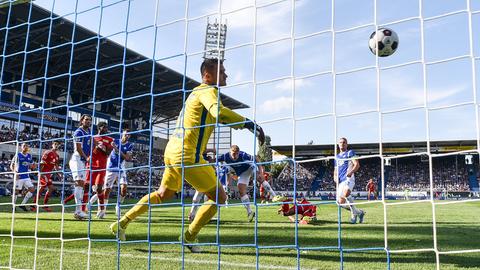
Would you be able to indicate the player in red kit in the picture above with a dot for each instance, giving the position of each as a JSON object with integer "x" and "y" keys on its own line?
{"x": 306, "y": 211}
{"x": 371, "y": 189}
{"x": 264, "y": 195}
{"x": 103, "y": 146}
{"x": 50, "y": 162}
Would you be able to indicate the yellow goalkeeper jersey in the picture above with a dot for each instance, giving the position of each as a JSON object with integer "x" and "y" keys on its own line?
{"x": 198, "y": 118}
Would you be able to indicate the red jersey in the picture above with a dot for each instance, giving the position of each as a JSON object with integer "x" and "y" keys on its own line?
{"x": 302, "y": 209}
{"x": 371, "y": 186}
{"x": 266, "y": 176}
{"x": 49, "y": 160}
{"x": 306, "y": 210}
{"x": 104, "y": 145}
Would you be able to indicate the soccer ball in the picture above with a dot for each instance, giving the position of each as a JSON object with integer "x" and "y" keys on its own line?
{"x": 384, "y": 41}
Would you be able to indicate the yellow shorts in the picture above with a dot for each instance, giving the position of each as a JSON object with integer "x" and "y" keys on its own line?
{"x": 202, "y": 178}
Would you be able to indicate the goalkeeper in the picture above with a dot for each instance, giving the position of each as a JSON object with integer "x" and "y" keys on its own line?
{"x": 195, "y": 124}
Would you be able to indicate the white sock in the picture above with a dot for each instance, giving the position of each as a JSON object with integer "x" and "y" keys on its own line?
{"x": 268, "y": 188}
{"x": 246, "y": 200}
{"x": 15, "y": 197}
{"x": 350, "y": 200}
{"x": 122, "y": 199}
{"x": 226, "y": 191}
{"x": 27, "y": 197}
{"x": 78, "y": 194}
{"x": 105, "y": 202}
{"x": 197, "y": 197}
{"x": 93, "y": 199}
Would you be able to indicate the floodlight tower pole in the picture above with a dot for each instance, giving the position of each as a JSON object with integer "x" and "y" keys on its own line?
{"x": 386, "y": 176}
{"x": 215, "y": 39}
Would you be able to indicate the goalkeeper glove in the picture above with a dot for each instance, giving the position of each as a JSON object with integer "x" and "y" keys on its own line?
{"x": 255, "y": 129}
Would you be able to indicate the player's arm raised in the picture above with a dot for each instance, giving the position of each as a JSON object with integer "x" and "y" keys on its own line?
{"x": 209, "y": 99}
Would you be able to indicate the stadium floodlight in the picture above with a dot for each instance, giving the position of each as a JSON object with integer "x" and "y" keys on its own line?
{"x": 468, "y": 159}
{"x": 215, "y": 38}
{"x": 388, "y": 162}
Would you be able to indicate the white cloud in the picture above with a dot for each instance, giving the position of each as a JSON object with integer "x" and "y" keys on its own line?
{"x": 286, "y": 85}
{"x": 274, "y": 106}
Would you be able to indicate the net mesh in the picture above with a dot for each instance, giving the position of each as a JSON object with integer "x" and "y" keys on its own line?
{"x": 267, "y": 34}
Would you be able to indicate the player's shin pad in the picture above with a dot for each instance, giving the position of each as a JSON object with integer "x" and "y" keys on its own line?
{"x": 204, "y": 215}
{"x": 140, "y": 208}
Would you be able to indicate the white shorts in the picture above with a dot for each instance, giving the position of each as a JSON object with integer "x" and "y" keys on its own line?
{"x": 350, "y": 183}
{"x": 23, "y": 183}
{"x": 77, "y": 166}
{"x": 244, "y": 178}
{"x": 112, "y": 176}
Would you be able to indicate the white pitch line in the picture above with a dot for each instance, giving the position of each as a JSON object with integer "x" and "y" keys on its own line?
{"x": 133, "y": 256}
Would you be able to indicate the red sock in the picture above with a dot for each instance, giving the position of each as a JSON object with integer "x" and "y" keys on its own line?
{"x": 39, "y": 192}
{"x": 85, "y": 200}
{"x": 69, "y": 198}
{"x": 86, "y": 189}
{"x": 101, "y": 200}
{"x": 47, "y": 196}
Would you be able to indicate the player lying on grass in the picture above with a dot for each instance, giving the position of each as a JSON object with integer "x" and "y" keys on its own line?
{"x": 196, "y": 122}
{"x": 305, "y": 210}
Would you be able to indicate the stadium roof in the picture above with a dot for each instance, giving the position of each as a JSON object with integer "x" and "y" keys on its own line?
{"x": 70, "y": 40}
{"x": 393, "y": 148}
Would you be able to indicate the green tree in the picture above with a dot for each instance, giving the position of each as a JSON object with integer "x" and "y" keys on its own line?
{"x": 276, "y": 168}
{"x": 265, "y": 152}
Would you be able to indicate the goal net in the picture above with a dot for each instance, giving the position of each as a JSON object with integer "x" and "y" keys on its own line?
{"x": 301, "y": 70}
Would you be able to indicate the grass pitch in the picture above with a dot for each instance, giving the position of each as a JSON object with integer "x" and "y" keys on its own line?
{"x": 409, "y": 227}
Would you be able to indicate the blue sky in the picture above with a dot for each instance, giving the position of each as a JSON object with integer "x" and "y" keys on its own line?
{"x": 310, "y": 106}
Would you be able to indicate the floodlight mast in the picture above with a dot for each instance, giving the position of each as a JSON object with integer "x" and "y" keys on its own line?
{"x": 215, "y": 38}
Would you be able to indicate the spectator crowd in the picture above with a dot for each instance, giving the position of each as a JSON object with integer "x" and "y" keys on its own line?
{"x": 412, "y": 173}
